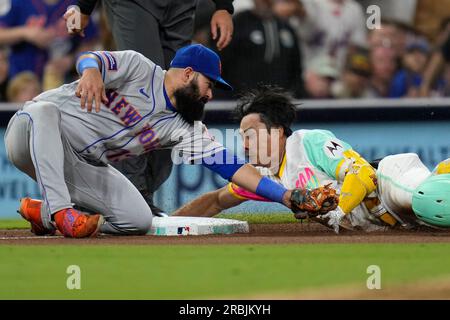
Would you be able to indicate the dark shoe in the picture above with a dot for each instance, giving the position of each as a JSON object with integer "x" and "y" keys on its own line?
{"x": 157, "y": 212}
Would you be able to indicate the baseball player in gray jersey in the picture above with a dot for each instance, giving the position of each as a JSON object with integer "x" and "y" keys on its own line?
{"x": 171, "y": 24}
{"x": 139, "y": 107}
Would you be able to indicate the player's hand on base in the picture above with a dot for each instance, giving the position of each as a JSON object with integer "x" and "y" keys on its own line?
{"x": 91, "y": 90}
{"x": 335, "y": 218}
{"x": 222, "y": 21}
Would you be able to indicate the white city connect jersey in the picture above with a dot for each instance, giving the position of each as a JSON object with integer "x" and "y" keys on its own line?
{"x": 314, "y": 158}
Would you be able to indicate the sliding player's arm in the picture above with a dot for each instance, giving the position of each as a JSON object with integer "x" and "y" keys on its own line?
{"x": 196, "y": 146}
{"x": 214, "y": 202}
{"x": 210, "y": 204}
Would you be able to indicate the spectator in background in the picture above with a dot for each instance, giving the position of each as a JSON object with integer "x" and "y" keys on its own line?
{"x": 439, "y": 61}
{"x": 406, "y": 34}
{"x": 407, "y": 80}
{"x": 4, "y": 69}
{"x": 319, "y": 77}
{"x": 23, "y": 87}
{"x": 243, "y": 5}
{"x": 384, "y": 66}
{"x": 37, "y": 35}
{"x": 389, "y": 35}
{"x": 444, "y": 89}
{"x": 326, "y": 27}
{"x": 354, "y": 81}
{"x": 264, "y": 50}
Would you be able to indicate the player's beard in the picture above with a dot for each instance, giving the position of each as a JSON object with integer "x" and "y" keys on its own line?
{"x": 190, "y": 105}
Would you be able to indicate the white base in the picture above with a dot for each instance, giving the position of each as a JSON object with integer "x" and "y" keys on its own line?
{"x": 195, "y": 226}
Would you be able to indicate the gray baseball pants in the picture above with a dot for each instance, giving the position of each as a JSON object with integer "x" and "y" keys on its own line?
{"x": 36, "y": 145}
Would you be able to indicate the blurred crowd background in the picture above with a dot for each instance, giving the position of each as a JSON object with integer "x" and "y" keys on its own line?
{"x": 316, "y": 49}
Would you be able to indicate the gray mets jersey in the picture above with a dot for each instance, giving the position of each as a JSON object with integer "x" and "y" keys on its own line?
{"x": 137, "y": 118}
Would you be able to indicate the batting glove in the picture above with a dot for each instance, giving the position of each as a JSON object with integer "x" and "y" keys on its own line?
{"x": 335, "y": 218}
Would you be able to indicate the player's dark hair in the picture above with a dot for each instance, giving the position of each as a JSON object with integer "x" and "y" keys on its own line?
{"x": 273, "y": 104}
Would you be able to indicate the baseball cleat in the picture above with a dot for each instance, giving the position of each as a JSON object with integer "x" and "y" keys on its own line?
{"x": 30, "y": 210}
{"x": 75, "y": 224}
{"x": 157, "y": 212}
{"x": 160, "y": 214}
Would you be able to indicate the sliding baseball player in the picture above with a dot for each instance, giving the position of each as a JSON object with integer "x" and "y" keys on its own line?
{"x": 369, "y": 200}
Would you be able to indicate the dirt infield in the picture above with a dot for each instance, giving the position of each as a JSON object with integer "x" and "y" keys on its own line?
{"x": 291, "y": 233}
{"x": 437, "y": 289}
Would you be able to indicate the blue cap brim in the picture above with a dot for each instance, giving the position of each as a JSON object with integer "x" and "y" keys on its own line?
{"x": 222, "y": 84}
{"x": 219, "y": 82}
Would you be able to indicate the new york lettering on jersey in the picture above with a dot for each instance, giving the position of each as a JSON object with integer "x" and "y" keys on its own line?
{"x": 133, "y": 107}
{"x": 137, "y": 100}
{"x": 129, "y": 116}
{"x": 136, "y": 118}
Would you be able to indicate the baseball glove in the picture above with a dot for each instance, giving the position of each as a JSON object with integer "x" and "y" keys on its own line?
{"x": 307, "y": 203}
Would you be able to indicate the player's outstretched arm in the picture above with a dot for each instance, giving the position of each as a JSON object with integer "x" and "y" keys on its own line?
{"x": 231, "y": 168}
{"x": 209, "y": 204}
{"x": 90, "y": 88}
{"x": 250, "y": 179}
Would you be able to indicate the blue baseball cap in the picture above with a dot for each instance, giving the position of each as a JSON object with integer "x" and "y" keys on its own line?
{"x": 202, "y": 60}
{"x": 419, "y": 45}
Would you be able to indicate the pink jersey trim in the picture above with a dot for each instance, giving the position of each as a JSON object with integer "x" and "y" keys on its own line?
{"x": 243, "y": 194}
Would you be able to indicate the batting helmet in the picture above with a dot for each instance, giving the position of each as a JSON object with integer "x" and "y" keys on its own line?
{"x": 431, "y": 200}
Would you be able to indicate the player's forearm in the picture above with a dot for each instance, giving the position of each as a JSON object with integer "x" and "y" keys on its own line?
{"x": 356, "y": 186}
{"x": 10, "y": 36}
{"x": 206, "y": 205}
{"x": 245, "y": 175}
{"x": 88, "y": 61}
{"x": 91, "y": 87}
{"x": 359, "y": 183}
{"x": 249, "y": 178}
{"x": 209, "y": 204}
